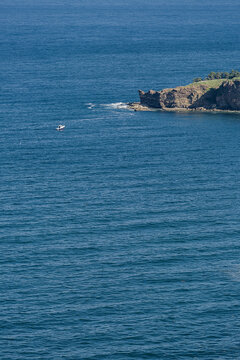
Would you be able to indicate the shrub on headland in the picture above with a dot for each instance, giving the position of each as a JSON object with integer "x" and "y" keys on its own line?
{"x": 219, "y": 75}
{"x": 197, "y": 79}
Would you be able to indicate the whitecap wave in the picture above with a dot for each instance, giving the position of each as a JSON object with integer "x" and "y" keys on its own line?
{"x": 117, "y": 105}
{"x": 90, "y": 105}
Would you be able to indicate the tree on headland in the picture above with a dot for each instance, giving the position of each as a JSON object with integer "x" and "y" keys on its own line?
{"x": 233, "y": 74}
{"x": 225, "y": 75}
{"x": 211, "y": 76}
{"x": 197, "y": 79}
{"x": 219, "y": 75}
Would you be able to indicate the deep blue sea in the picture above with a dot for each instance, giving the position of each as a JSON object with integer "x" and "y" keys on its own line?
{"x": 120, "y": 236}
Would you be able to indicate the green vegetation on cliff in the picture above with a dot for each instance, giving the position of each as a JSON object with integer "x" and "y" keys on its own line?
{"x": 219, "y": 75}
{"x": 212, "y": 84}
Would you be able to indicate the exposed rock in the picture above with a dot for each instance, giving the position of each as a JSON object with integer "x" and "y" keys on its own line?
{"x": 201, "y": 96}
{"x": 228, "y": 95}
{"x": 136, "y": 106}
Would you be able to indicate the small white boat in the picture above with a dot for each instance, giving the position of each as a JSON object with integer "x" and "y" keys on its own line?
{"x": 60, "y": 127}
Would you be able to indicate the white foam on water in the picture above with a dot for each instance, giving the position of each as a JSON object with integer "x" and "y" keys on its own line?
{"x": 90, "y": 105}
{"x": 117, "y": 105}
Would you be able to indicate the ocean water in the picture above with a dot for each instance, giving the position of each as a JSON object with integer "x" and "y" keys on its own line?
{"x": 120, "y": 236}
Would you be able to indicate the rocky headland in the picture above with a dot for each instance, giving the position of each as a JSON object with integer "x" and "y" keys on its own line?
{"x": 208, "y": 95}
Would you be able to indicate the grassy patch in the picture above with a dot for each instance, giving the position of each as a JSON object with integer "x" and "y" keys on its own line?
{"x": 212, "y": 84}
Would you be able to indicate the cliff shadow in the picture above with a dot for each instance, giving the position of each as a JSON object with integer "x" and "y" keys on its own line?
{"x": 207, "y": 100}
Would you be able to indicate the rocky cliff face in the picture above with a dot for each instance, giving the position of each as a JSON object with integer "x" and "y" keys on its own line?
{"x": 228, "y": 95}
{"x": 195, "y": 96}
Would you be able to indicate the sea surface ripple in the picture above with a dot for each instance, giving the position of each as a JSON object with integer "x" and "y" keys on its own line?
{"x": 119, "y": 236}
